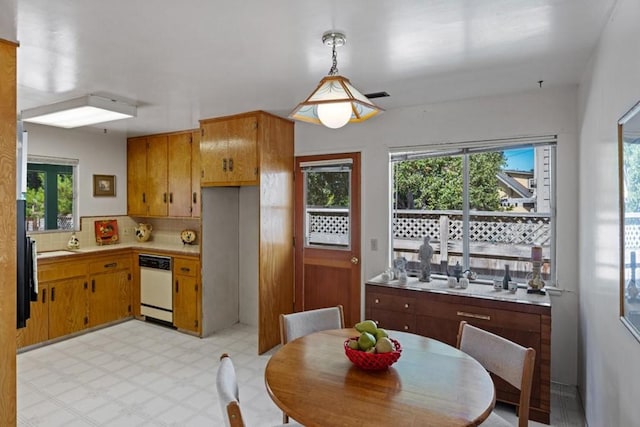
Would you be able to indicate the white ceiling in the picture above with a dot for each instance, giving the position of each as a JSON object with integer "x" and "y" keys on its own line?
{"x": 181, "y": 61}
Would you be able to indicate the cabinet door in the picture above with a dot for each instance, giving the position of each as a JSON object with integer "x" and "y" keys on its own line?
{"x": 185, "y": 303}
{"x": 109, "y": 297}
{"x": 186, "y": 300}
{"x": 67, "y": 306}
{"x": 37, "y": 329}
{"x": 157, "y": 194}
{"x": 179, "y": 174}
{"x": 242, "y": 149}
{"x": 136, "y": 176}
{"x": 213, "y": 153}
{"x": 195, "y": 175}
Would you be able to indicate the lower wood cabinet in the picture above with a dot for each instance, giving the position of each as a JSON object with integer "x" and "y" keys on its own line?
{"x": 75, "y": 294}
{"x": 438, "y": 315}
{"x": 186, "y": 294}
{"x": 109, "y": 289}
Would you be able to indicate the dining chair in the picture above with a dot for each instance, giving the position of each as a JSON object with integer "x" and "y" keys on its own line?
{"x": 295, "y": 325}
{"x": 504, "y": 358}
{"x": 228, "y": 394}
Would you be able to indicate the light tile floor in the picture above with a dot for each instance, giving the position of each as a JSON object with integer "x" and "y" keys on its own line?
{"x": 141, "y": 374}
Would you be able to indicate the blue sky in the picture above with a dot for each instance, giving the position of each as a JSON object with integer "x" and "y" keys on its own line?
{"x": 520, "y": 159}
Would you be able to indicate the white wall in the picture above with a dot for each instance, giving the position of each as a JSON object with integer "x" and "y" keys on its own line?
{"x": 8, "y": 20}
{"x": 609, "y": 373}
{"x": 98, "y": 153}
{"x": 541, "y": 111}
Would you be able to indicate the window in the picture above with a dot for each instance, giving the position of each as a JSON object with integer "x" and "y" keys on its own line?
{"x": 51, "y": 201}
{"x": 483, "y": 204}
{"x": 327, "y": 203}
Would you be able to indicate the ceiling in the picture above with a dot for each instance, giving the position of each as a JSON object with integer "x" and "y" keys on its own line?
{"x": 184, "y": 61}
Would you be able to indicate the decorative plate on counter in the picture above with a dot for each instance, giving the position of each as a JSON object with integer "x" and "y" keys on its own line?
{"x": 106, "y": 231}
{"x": 188, "y": 237}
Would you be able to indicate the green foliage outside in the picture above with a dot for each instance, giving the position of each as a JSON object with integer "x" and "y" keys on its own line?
{"x": 328, "y": 189}
{"x": 35, "y": 196}
{"x": 436, "y": 183}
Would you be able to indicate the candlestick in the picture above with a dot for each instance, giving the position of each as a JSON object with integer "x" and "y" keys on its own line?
{"x": 536, "y": 253}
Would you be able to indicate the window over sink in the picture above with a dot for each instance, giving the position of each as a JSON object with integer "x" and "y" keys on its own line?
{"x": 51, "y": 199}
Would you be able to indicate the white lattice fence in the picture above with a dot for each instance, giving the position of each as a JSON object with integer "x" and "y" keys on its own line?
{"x": 510, "y": 228}
{"x": 328, "y": 226}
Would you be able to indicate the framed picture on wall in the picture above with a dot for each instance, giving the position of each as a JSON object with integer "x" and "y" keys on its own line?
{"x": 104, "y": 185}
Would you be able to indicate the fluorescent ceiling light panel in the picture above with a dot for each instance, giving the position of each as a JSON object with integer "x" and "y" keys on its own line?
{"x": 84, "y": 111}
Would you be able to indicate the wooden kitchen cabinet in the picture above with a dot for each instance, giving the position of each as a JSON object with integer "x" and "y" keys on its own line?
{"x": 67, "y": 306}
{"x": 37, "y": 328}
{"x": 109, "y": 295}
{"x": 160, "y": 175}
{"x": 252, "y": 197}
{"x": 229, "y": 151}
{"x": 186, "y": 294}
{"x": 438, "y": 315}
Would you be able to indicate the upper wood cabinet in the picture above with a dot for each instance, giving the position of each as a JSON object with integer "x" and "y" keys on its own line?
{"x": 258, "y": 148}
{"x": 229, "y": 150}
{"x": 160, "y": 175}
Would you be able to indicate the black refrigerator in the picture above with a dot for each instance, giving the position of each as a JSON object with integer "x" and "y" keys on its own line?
{"x": 26, "y": 275}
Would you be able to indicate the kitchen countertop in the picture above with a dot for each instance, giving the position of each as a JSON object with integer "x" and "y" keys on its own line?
{"x": 190, "y": 250}
{"x": 478, "y": 290}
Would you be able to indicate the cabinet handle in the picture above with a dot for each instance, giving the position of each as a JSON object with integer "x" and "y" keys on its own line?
{"x": 185, "y": 269}
{"x": 377, "y": 301}
{"x": 230, "y": 165}
{"x": 406, "y": 306}
{"x": 195, "y": 197}
{"x": 93, "y": 285}
{"x": 473, "y": 315}
{"x": 406, "y": 327}
{"x": 224, "y": 165}
{"x": 144, "y": 198}
{"x": 44, "y": 296}
{"x": 164, "y": 197}
{"x": 111, "y": 265}
{"x": 170, "y": 197}
{"x": 177, "y": 286}
{"x": 53, "y": 294}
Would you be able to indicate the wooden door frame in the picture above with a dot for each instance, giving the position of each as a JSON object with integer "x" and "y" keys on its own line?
{"x": 355, "y": 303}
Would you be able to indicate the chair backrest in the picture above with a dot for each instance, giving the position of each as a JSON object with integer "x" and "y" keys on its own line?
{"x": 502, "y": 357}
{"x": 295, "y": 325}
{"x": 228, "y": 393}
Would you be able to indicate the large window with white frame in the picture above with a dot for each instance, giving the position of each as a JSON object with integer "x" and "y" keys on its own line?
{"x": 484, "y": 204}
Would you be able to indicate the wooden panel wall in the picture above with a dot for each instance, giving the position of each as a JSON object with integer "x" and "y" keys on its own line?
{"x": 276, "y": 227}
{"x": 8, "y": 233}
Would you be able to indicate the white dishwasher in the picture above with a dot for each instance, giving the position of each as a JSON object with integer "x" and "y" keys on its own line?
{"x": 156, "y": 296}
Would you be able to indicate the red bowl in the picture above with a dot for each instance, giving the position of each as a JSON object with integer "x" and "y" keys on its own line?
{"x": 372, "y": 361}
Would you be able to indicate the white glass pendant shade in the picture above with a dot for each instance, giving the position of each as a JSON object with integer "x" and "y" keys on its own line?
{"x": 334, "y": 115}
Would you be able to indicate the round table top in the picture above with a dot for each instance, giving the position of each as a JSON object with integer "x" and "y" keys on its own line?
{"x": 432, "y": 384}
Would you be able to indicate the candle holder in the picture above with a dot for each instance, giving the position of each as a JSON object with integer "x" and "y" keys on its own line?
{"x": 535, "y": 283}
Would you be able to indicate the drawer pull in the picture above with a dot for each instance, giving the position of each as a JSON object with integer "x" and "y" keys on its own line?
{"x": 406, "y": 327}
{"x": 111, "y": 265}
{"x": 185, "y": 269}
{"x": 406, "y": 306}
{"x": 474, "y": 316}
{"x": 377, "y": 301}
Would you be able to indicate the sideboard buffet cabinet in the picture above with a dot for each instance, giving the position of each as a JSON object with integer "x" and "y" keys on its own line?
{"x": 434, "y": 310}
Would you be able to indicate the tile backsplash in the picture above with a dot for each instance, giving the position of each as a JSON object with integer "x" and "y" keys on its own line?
{"x": 164, "y": 231}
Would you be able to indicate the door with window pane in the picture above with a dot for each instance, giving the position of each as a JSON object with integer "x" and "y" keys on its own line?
{"x": 327, "y": 233}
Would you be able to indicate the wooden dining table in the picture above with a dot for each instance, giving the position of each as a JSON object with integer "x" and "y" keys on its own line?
{"x": 431, "y": 384}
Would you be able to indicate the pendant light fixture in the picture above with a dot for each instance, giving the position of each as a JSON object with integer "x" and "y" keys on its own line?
{"x": 335, "y": 102}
